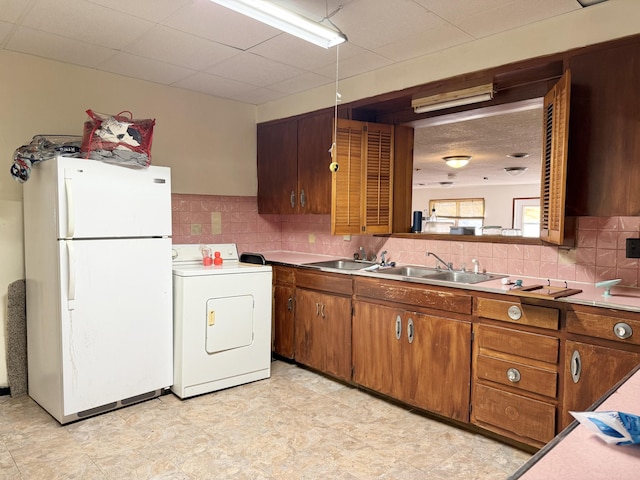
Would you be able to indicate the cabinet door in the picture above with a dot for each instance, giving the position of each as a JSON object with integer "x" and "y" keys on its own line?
{"x": 309, "y": 341}
{"x": 378, "y": 340}
{"x": 335, "y": 313}
{"x": 555, "y": 139}
{"x": 277, "y": 145}
{"x": 314, "y": 177}
{"x": 347, "y": 183}
{"x": 283, "y": 312}
{"x": 590, "y": 371}
{"x": 362, "y": 188}
{"x": 436, "y": 373}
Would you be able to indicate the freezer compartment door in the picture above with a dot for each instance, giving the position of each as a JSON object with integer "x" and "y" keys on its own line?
{"x": 229, "y": 323}
{"x": 116, "y": 328}
{"x": 98, "y": 200}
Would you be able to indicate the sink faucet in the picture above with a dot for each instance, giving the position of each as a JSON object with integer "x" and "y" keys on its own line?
{"x": 363, "y": 255}
{"x": 448, "y": 265}
{"x": 383, "y": 258}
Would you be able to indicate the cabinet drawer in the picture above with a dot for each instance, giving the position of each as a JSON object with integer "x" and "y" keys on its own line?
{"x": 522, "y": 344}
{"x": 326, "y": 282}
{"x": 283, "y": 274}
{"x": 407, "y": 293}
{"x": 604, "y": 326}
{"x": 517, "y": 375}
{"x": 517, "y": 312}
{"x": 523, "y": 416}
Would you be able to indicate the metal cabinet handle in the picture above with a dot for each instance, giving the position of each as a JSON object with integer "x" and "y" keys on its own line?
{"x": 514, "y": 312}
{"x": 513, "y": 375}
{"x": 398, "y": 327}
{"x": 303, "y": 198}
{"x": 292, "y": 199}
{"x": 622, "y": 330}
{"x": 290, "y": 304}
{"x": 410, "y": 330}
{"x": 576, "y": 366}
{"x": 322, "y": 311}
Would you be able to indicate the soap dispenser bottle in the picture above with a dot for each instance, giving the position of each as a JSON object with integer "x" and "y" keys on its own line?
{"x": 433, "y": 217}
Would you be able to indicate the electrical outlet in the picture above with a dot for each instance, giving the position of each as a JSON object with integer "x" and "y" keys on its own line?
{"x": 633, "y": 247}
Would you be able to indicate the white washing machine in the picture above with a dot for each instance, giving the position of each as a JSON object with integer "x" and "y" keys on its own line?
{"x": 222, "y": 321}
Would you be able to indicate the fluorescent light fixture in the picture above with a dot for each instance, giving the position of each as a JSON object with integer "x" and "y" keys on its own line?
{"x": 457, "y": 161}
{"x": 286, "y": 20}
{"x": 466, "y": 96}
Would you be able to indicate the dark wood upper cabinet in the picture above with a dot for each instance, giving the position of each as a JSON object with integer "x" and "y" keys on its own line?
{"x": 604, "y": 134}
{"x": 293, "y": 165}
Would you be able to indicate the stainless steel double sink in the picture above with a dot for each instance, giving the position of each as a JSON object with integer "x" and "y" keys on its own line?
{"x": 407, "y": 271}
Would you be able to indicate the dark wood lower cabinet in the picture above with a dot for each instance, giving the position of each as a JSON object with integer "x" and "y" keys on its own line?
{"x": 419, "y": 359}
{"x": 590, "y": 370}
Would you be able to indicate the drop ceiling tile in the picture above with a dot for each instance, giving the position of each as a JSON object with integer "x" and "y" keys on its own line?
{"x": 5, "y": 29}
{"x": 144, "y": 68}
{"x": 212, "y": 85}
{"x": 178, "y": 48}
{"x": 87, "y": 22}
{"x": 481, "y": 19}
{"x": 253, "y": 69}
{"x": 390, "y": 21}
{"x": 152, "y": 10}
{"x": 293, "y": 51}
{"x": 438, "y": 36}
{"x": 258, "y": 96}
{"x": 48, "y": 45}
{"x": 362, "y": 62}
{"x": 11, "y": 10}
{"x": 301, "y": 83}
{"x": 214, "y": 22}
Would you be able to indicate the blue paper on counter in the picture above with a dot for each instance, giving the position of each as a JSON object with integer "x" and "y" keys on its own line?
{"x": 618, "y": 428}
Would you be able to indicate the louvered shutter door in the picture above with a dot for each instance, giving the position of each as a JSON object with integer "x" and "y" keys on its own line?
{"x": 378, "y": 179}
{"x": 347, "y": 181}
{"x": 554, "y": 154}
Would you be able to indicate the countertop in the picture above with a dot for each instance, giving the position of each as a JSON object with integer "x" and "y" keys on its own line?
{"x": 622, "y": 298}
{"x": 577, "y": 453}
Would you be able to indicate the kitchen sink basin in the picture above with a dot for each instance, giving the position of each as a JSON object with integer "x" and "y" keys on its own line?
{"x": 408, "y": 271}
{"x": 462, "y": 277}
{"x": 340, "y": 264}
{"x": 443, "y": 275}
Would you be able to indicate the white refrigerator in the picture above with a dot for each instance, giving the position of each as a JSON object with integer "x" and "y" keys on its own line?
{"x": 99, "y": 285}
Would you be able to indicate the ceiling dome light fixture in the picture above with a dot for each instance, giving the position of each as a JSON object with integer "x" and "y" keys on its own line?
{"x": 515, "y": 171}
{"x": 518, "y": 155}
{"x": 457, "y": 161}
{"x": 446, "y": 184}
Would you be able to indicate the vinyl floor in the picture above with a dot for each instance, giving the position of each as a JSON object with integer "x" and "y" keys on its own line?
{"x": 295, "y": 425}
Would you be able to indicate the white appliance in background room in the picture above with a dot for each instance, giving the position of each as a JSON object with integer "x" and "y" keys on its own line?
{"x": 222, "y": 321}
{"x": 98, "y": 281}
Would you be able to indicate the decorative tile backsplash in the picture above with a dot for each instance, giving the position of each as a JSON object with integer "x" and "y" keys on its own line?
{"x": 599, "y": 253}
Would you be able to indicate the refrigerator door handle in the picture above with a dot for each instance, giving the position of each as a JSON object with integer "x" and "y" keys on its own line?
{"x": 71, "y": 224}
{"x": 71, "y": 291}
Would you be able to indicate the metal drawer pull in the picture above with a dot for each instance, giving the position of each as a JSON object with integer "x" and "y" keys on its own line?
{"x": 292, "y": 199}
{"x": 410, "y": 332}
{"x": 398, "y": 327}
{"x": 622, "y": 330}
{"x": 513, "y": 375}
{"x": 290, "y": 304}
{"x": 576, "y": 366}
{"x": 514, "y": 312}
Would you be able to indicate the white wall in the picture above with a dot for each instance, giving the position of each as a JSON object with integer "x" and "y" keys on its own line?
{"x": 208, "y": 142}
{"x": 498, "y": 199}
